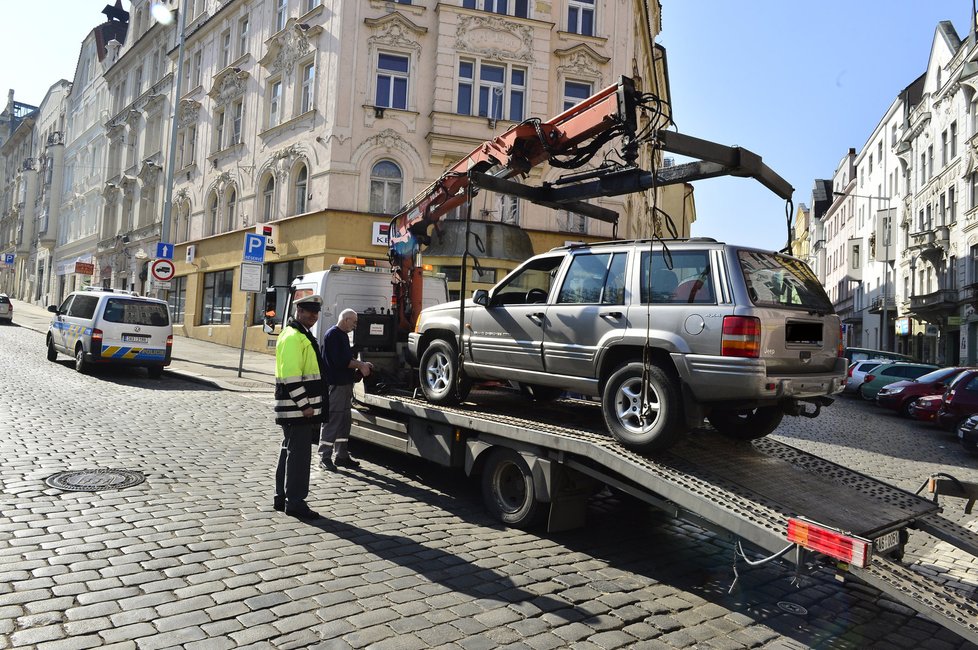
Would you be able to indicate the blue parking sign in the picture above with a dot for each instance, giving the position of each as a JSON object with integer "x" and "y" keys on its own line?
{"x": 254, "y": 248}
{"x": 8, "y": 259}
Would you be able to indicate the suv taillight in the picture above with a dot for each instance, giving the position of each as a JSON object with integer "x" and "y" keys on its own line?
{"x": 741, "y": 337}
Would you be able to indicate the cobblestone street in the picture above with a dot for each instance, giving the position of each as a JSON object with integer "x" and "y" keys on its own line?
{"x": 195, "y": 556}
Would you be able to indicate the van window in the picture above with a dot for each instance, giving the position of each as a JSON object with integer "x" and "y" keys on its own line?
{"x": 136, "y": 312}
{"x": 83, "y": 307}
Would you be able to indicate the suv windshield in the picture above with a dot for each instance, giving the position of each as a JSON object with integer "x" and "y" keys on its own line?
{"x": 775, "y": 280}
{"x": 136, "y": 312}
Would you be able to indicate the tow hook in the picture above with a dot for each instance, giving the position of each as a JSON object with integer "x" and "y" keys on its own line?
{"x": 816, "y": 405}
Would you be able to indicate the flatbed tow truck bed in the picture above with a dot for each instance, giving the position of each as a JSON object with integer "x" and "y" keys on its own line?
{"x": 747, "y": 491}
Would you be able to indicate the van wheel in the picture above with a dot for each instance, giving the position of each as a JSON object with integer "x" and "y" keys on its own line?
{"x": 52, "y": 353}
{"x": 539, "y": 393}
{"x": 508, "y": 491}
{"x": 746, "y": 424}
{"x": 653, "y": 426}
{"x": 439, "y": 374}
{"x": 80, "y": 364}
{"x": 154, "y": 372}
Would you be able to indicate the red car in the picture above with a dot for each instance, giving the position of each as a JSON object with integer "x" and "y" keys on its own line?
{"x": 960, "y": 400}
{"x": 900, "y": 394}
{"x": 925, "y": 408}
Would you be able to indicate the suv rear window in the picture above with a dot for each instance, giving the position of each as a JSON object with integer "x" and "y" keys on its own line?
{"x": 136, "y": 312}
{"x": 775, "y": 280}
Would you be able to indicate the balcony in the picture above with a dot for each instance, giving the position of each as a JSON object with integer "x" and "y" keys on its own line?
{"x": 930, "y": 244}
{"x": 876, "y": 307}
{"x": 938, "y": 303}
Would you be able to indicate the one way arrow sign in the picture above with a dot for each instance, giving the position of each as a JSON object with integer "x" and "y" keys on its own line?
{"x": 164, "y": 251}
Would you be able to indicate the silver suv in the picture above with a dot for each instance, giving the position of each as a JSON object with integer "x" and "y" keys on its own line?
{"x": 665, "y": 333}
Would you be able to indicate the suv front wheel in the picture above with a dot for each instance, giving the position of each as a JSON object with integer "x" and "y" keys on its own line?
{"x": 650, "y": 424}
{"x": 439, "y": 374}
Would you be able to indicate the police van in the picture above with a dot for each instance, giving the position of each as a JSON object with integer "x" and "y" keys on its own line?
{"x": 102, "y": 326}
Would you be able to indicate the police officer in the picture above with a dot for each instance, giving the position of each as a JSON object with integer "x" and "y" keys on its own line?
{"x": 300, "y": 397}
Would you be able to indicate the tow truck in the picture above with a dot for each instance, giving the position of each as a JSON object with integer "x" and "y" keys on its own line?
{"x": 541, "y": 468}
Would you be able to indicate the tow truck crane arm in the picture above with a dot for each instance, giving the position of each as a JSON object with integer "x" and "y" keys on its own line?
{"x": 568, "y": 141}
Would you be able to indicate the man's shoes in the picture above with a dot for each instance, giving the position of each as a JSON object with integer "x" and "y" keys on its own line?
{"x": 326, "y": 464}
{"x": 347, "y": 462}
{"x": 279, "y": 504}
{"x": 304, "y": 512}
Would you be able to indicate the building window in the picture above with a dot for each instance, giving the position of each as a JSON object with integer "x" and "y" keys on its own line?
{"x": 237, "y": 115}
{"x": 312, "y": 4}
{"x": 974, "y": 264}
{"x": 211, "y": 215}
{"x": 226, "y": 48}
{"x": 385, "y": 187}
{"x": 466, "y": 70}
{"x": 952, "y": 206}
{"x": 580, "y": 17}
{"x": 502, "y": 90}
{"x": 392, "y": 81}
{"x": 216, "y": 298}
{"x": 229, "y": 203}
{"x": 186, "y": 143}
{"x": 305, "y": 89}
{"x": 281, "y": 14}
{"x": 274, "y": 103}
{"x": 176, "y": 298}
{"x": 268, "y": 198}
{"x": 509, "y": 209}
{"x": 243, "y": 26}
{"x": 575, "y": 92}
{"x": 519, "y": 8}
{"x": 301, "y": 187}
{"x": 196, "y": 68}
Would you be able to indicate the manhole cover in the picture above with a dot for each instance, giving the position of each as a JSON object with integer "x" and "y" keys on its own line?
{"x": 93, "y": 480}
{"x": 792, "y": 608}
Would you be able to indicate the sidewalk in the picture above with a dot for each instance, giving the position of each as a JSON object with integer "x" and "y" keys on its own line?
{"x": 192, "y": 359}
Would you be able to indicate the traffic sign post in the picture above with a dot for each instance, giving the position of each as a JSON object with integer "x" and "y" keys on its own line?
{"x": 249, "y": 281}
{"x": 254, "y": 248}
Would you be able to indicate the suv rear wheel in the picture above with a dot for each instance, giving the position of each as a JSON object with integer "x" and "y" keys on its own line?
{"x": 652, "y": 426}
{"x": 746, "y": 424}
{"x": 439, "y": 374}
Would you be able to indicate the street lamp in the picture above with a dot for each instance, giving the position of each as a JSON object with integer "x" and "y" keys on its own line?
{"x": 886, "y": 259}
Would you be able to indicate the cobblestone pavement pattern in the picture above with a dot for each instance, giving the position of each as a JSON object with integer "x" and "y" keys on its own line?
{"x": 195, "y": 557}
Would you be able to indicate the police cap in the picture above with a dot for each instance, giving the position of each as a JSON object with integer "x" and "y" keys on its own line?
{"x": 310, "y": 303}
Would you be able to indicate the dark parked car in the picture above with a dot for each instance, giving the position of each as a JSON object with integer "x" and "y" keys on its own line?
{"x": 925, "y": 408}
{"x": 968, "y": 434}
{"x": 887, "y": 373}
{"x": 960, "y": 400}
{"x": 899, "y": 395}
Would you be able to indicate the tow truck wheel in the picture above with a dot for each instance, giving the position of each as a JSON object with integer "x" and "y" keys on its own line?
{"x": 439, "y": 374}
{"x": 508, "y": 491}
{"x": 52, "y": 353}
{"x": 746, "y": 424}
{"x": 80, "y": 364}
{"x": 652, "y": 424}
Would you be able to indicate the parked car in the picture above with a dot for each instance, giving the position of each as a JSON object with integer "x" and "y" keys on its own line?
{"x": 887, "y": 373}
{"x": 738, "y": 335}
{"x": 857, "y": 372}
{"x": 861, "y": 354}
{"x": 960, "y": 400}
{"x": 898, "y": 395}
{"x": 925, "y": 408}
{"x": 968, "y": 434}
{"x": 6, "y": 309}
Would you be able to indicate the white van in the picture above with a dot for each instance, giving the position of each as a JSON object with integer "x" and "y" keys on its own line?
{"x": 101, "y": 326}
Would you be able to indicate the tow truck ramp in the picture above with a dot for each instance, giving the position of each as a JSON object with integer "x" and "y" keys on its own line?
{"x": 747, "y": 491}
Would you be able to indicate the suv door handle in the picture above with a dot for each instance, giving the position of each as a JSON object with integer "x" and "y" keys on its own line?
{"x": 537, "y": 315}
{"x": 611, "y": 314}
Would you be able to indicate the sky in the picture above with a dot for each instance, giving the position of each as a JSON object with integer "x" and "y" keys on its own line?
{"x": 796, "y": 82}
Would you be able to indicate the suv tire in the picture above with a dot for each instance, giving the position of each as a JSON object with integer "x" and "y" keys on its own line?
{"x": 621, "y": 406}
{"x": 746, "y": 424}
{"x": 440, "y": 374}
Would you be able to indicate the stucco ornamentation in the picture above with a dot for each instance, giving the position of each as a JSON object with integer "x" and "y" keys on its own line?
{"x": 581, "y": 61}
{"x": 290, "y": 45}
{"x": 189, "y": 111}
{"x": 494, "y": 38}
{"x": 394, "y": 30}
{"x": 228, "y": 85}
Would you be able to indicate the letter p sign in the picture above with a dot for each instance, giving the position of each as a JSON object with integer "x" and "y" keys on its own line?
{"x": 254, "y": 248}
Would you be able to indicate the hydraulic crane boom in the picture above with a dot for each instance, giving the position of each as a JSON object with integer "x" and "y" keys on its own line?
{"x": 568, "y": 141}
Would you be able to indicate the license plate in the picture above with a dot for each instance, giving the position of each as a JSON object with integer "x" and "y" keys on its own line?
{"x": 134, "y": 338}
{"x": 886, "y": 542}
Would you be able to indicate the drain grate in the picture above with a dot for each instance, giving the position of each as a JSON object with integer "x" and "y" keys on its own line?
{"x": 792, "y": 608}
{"x": 94, "y": 480}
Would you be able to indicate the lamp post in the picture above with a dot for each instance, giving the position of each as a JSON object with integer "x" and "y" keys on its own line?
{"x": 882, "y": 339}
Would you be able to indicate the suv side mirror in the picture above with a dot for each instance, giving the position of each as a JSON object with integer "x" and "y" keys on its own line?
{"x": 271, "y": 298}
{"x": 481, "y": 297}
